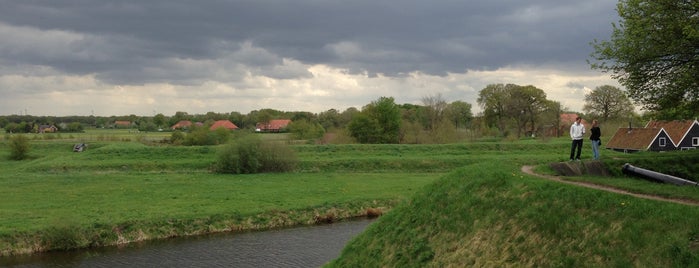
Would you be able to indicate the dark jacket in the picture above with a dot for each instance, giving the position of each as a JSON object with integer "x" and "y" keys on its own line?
{"x": 595, "y": 133}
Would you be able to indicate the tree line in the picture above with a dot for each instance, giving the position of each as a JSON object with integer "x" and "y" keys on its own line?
{"x": 507, "y": 110}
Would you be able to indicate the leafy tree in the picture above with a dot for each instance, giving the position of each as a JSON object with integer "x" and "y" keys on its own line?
{"x": 607, "y": 102}
{"x": 364, "y": 128}
{"x": 159, "y": 120}
{"x": 492, "y": 100}
{"x": 654, "y": 53}
{"x": 378, "y": 122}
{"x": 330, "y": 119}
{"x": 303, "y": 129}
{"x": 524, "y": 105}
{"x": 459, "y": 113}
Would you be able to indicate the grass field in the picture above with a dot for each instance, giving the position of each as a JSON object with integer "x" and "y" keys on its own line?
{"x": 450, "y": 205}
{"x": 489, "y": 214}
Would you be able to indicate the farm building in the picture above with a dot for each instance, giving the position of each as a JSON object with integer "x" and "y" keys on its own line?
{"x": 631, "y": 140}
{"x": 657, "y": 136}
{"x": 276, "y": 125}
{"x": 47, "y": 129}
{"x": 685, "y": 133}
{"x": 227, "y": 124}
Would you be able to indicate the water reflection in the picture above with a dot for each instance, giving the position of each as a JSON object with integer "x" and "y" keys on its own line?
{"x": 309, "y": 246}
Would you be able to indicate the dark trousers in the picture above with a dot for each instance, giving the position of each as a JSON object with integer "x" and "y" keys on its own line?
{"x": 578, "y": 144}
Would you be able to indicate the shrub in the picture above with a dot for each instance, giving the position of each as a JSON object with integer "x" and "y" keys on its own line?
{"x": 177, "y": 137}
{"x": 19, "y": 147}
{"x": 249, "y": 155}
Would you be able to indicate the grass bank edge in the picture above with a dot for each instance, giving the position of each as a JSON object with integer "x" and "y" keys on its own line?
{"x": 67, "y": 236}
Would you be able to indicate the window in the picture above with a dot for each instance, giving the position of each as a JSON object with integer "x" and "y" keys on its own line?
{"x": 662, "y": 142}
{"x": 695, "y": 141}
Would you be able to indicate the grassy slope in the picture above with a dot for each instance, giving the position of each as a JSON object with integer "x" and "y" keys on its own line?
{"x": 490, "y": 214}
{"x": 122, "y": 191}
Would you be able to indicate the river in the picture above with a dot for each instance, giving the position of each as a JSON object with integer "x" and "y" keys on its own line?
{"x": 307, "y": 246}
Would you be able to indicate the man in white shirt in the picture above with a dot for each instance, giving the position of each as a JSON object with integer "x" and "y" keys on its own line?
{"x": 577, "y": 130}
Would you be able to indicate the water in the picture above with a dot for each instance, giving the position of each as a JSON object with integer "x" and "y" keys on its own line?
{"x": 308, "y": 246}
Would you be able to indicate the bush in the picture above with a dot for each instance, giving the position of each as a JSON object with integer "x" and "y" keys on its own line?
{"x": 250, "y": 155}
{"x": 19, "y": 147}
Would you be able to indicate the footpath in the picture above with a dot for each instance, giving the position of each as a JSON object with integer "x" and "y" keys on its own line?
{"x": 530, "y": 170}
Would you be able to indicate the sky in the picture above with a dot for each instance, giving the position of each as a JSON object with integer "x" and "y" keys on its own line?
{"x": 103, "y": 58}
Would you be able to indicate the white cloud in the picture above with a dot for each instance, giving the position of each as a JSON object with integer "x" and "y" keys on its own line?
{"x": 327, "y": 88}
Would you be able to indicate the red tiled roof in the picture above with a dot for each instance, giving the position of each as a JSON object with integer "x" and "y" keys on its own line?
{"x": 569, "y": 119}
{"x": 182, "y": 124}
{"x": 223, "y": 124}
{"x": 634, "y": 138}
{"x": 275, "y": 124}
{"x": 676, "y": 129}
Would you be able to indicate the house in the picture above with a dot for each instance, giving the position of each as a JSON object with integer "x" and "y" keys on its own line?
{"x": 227, "y": 124}
{"x": 685, "y": 133}
{"x": 276, "y": 125}
{"x": 563, "y": 128}
{"x": 122, "y": 124}
{"x": 631, "y": 140}
{"x": 47, "y": 129}
{"x": 183, "y": 124}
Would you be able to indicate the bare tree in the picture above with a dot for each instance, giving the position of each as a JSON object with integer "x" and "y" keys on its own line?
{"x": 608, "y": 102}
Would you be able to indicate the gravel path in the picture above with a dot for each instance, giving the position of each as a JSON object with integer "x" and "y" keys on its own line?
{"x": 530, "y": 170}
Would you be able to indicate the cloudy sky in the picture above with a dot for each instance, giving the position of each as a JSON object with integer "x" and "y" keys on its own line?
{"x": 82, "y": 57}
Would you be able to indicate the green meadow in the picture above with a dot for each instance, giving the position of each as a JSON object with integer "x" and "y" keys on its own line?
{"x": 465, "y": 204}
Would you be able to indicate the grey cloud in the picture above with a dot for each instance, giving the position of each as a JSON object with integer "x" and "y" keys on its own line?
{"x": 133, "y": 42}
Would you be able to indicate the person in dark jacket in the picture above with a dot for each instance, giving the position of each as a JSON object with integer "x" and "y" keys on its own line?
{"x": 595, "y": 134}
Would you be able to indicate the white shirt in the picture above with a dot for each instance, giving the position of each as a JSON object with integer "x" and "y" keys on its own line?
{"x": 577, "y": 130}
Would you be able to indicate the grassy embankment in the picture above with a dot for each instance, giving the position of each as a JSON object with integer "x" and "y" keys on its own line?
{"x": 120, "y": 190}
{"x": 489, "y": 214}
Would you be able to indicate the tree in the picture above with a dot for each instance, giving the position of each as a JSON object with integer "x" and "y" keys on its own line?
{"x": 607, "y": 102}
{"x": 378, "y": 122}
{"x": 159, "y": 120}
{"x": 435, "y": 107}
{"x": 523, "y": 105}
{"x": 492, "y": 99}
{"x": 654, "y": 53}
{"x": 459, "y": 113}
{"x": 303, "y": 129}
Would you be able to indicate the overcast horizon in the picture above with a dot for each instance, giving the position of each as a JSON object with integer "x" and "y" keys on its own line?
{"x": 104, "y": 58}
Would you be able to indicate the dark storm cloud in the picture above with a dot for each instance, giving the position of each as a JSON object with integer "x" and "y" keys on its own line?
{"x": 183, "y": 42}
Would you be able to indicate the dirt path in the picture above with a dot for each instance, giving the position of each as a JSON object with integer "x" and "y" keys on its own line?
{"x": 530, "y": 170}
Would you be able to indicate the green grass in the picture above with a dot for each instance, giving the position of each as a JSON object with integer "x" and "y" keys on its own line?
{"x": 118, "y": 191}
{"x": 450, "y": 205}
{"x": 491, "y": 215}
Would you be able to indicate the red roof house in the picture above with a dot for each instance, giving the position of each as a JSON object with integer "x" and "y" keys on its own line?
{"x": 182, "y": 125}
{"x": 640, "y": 139}
{"x": 275, "y": 125}
{"x": 227, "y": 124}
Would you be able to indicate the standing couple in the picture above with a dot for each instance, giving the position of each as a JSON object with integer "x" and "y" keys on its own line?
{"x": 577, "y": 130}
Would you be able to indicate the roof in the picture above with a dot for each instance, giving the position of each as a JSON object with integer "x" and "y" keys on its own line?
{"x": 182, "y": 124}
{"x": 569, "y": 119}
{"x": 227, "y": 124}
{"x": 634, "y": 138}
{"x": 122, "y": 122}
{"x": 275, "y": 124}
{"x": 676, "y": 129}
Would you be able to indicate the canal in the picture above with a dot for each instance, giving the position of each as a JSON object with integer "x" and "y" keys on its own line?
{"x": 307, "y": 246}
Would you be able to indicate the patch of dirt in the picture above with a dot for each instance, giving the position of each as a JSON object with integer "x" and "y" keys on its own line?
{"x": 530, "y": 170}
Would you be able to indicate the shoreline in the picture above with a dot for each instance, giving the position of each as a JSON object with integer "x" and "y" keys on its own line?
{"x": 72, "y": 238}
